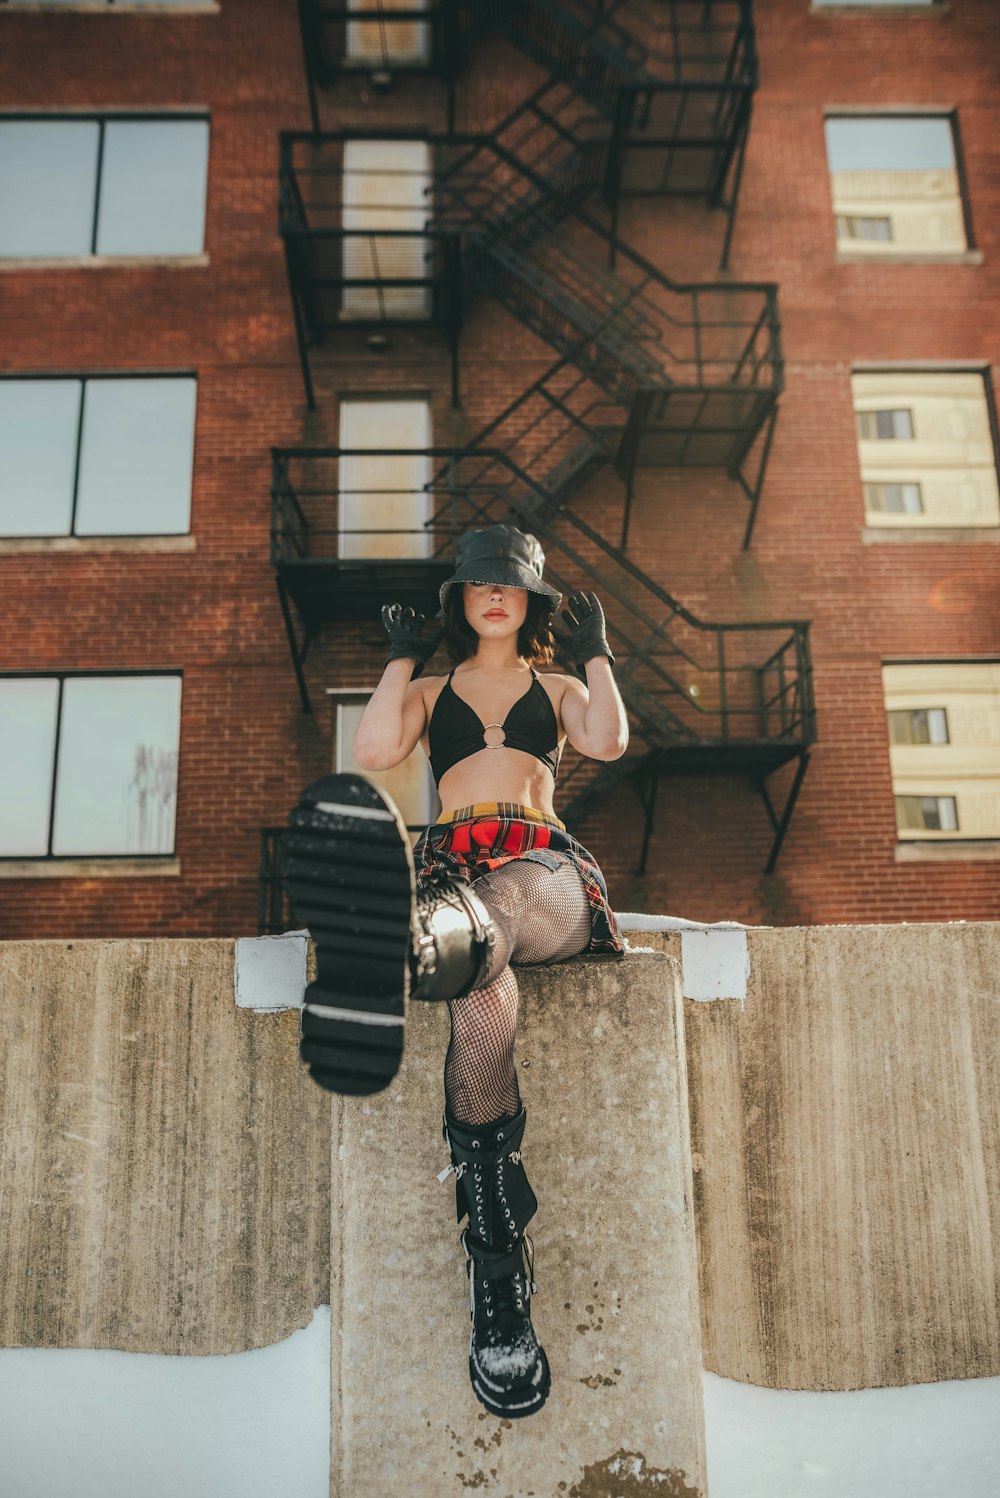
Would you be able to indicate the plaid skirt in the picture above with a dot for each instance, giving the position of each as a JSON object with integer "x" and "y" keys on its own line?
{"x": 477, "y": 839}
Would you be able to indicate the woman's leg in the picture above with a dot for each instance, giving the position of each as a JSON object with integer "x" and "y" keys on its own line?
{"x": 540, "y": 915}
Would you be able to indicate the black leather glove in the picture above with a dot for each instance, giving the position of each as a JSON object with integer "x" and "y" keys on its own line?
{"x": 403, "y": 627}
{"x": 584, "y": 619}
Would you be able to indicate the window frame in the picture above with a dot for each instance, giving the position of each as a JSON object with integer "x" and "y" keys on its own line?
{"x": 102, "y": 117}
{"x": 111, "y": 7}
{"x": 983, "y": 845}
{"x": 50, "y": 858}
{"x": 84, "y": 377}
{"x": 351, "y": 696}
{"x": 909, "y": 366}
{"x": 867, "y": 7}
{"x": 895, "y": 111}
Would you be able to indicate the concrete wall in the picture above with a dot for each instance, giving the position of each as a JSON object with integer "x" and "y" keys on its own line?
{"x": 845, "y": 1120}
{"x": 165, "y": 1176}
{"x": 164, "y": 1158}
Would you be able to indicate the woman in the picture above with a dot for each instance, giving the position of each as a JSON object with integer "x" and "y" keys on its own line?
{"x": 491, "y": 883}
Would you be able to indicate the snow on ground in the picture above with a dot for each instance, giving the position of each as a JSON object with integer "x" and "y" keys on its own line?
{"x": 922, "y": 1441}
{"x": 80, "y": 1424}
{"x": 76, "y": 1424}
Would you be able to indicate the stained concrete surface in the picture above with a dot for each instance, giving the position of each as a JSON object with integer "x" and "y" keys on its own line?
{"x": 164, "y": 1157}
{"x": 601, "y": 1069}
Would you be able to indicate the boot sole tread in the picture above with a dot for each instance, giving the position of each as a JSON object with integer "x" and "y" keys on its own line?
{"x": 350, "y": 878}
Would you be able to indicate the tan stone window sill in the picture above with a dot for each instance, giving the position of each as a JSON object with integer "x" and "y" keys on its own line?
{"x": 909, "y": 257}
{"x": 877, "y": 533}
{"x": 97, "y": 543}
{"x": 881, "y": 10}
{"x": 986, "y": 850}
{"x": 206, "y": 8}
{"x": 101, "y": 262}
{"x": 89, "y": 868}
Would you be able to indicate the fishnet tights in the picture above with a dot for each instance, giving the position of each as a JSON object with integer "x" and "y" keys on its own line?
{"x": 541, "y": 915}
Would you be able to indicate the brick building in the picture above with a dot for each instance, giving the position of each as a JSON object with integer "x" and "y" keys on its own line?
{"x": 199, "y": 383}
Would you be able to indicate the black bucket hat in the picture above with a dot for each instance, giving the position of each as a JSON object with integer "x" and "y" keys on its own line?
{"x": 500, "y": 554}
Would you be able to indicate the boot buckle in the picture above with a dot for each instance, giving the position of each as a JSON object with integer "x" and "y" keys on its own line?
{"x": 457, "y": 1170}
{"x": 426, "y": 954}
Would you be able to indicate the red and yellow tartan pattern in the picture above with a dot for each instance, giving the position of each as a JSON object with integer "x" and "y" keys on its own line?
{"x": 476, "y": 839}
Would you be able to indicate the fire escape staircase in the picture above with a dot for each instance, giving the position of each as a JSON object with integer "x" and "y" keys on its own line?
{"x": 649, "y": 373}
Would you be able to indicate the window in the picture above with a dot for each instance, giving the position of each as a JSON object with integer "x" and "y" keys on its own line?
{"x": 96, "y": 456}
{"x": 88, "y": 764}
{"x": 375, "y": 40}
{"x": 386, "y": 188}
{"x": 852, "y": 226}
{"x": 919, "y": 725}
{"x": 410, "y": 784}
{"x": 894, "y": 181}
{"x": 885, "y": 426}
{"x": 115, "y": 185}
{"x": 944, "y": 748}
{"x": 926, "y": 814}
{"x": 925, "y": 449}
{"x": 894, "y": 499}
{"x": 384, "y": 501}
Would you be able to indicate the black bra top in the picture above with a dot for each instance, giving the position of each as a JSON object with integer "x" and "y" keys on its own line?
{"x": 456, "y": 729}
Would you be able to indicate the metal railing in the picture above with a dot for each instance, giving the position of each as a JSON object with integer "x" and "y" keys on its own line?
{"x": 687, "y": 681}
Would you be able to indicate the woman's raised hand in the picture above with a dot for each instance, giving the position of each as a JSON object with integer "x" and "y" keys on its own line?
{"x": 585, "y": 637}
{"x": 406, "y": 640}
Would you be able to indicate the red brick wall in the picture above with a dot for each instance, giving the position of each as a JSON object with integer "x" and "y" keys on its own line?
{"x": 246, "y": 747}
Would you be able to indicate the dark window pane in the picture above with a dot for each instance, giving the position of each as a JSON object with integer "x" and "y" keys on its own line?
{"x": 48, "y": 174}
{"x": 28, "y": 710}
{"x": 135, "y": 468}
{"x": 38, "y": 426}
{"x": 153, "y": 187}
{"x": 117, "y": 779}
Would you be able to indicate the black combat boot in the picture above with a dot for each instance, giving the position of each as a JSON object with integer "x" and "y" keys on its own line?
{"x": 507, "y": 1364}
{"x": 381, "y": 938}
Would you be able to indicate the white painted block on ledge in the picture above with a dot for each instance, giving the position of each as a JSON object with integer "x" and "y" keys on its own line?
{"x": 715, "y": 963}
{"x": 271, "y": 971}
{"x": 715, "y": 957}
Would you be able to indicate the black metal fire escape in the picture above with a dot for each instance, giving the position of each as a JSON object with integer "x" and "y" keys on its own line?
{"x": 649, "y": 373}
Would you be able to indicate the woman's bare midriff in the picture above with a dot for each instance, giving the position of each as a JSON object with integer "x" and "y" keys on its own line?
{"x": 498, "y": 774}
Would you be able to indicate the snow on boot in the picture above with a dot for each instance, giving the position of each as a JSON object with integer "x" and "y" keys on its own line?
{"x": 507, "y": 1364}
{"x": 380, "y": 939}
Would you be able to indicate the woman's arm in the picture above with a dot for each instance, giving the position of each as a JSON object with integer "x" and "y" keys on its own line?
{"x": 594, "y": 715}
{"x": 393, "y": 720}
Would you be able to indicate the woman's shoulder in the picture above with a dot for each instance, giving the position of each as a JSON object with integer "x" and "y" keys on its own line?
{"x": 558, "y": 680}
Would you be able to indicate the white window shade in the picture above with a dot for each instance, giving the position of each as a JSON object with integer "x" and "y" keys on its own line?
{"x": 384, "y": 503}
{"x": 380, "y": 41}
{"x": 386, "y": 187}
{"x": 409, "y": 784}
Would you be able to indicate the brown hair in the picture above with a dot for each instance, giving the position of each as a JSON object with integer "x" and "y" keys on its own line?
{"x": 534, "y": 638}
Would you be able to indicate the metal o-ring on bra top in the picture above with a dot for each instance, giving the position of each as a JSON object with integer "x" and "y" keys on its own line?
{"x": 486, "y": 729}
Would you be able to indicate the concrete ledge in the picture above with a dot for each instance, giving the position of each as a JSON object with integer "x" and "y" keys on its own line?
{"x": 601, "y": 1065}
{"x": 845, "y": 1125}
{"x": 164, "y": 1157}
